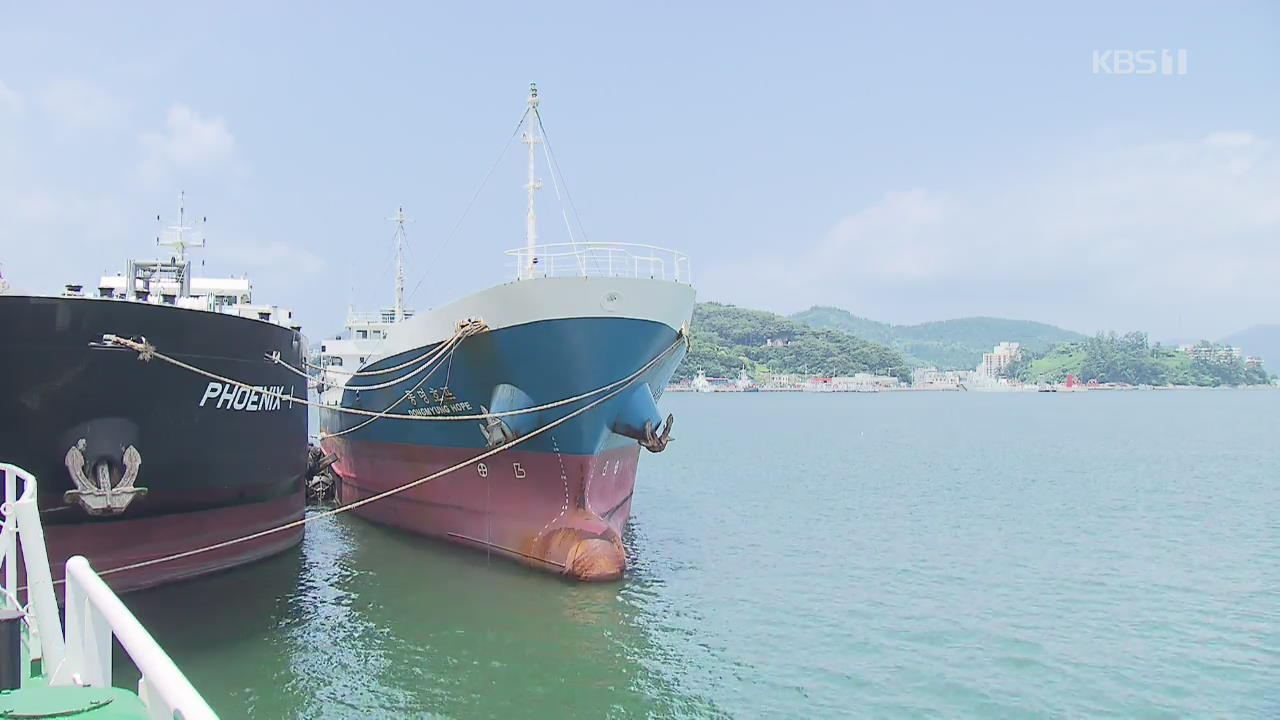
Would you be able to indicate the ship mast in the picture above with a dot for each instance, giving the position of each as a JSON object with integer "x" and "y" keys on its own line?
{"x": 531, "y": 139}
{"x": 178, "y": 242}
{"x": 400, "y": 220}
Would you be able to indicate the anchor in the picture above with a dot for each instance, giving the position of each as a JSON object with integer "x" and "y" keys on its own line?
{"x": 657, "y": 442}
{"x": 101, "y": 498}
{"x": 495, "y": 430}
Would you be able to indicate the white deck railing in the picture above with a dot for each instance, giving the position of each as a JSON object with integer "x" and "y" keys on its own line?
{"x": 601, "y": 259}
{"x": 22, "y": 518}
{"x": 374, "y": 317}
{"x": 94, "y": 615}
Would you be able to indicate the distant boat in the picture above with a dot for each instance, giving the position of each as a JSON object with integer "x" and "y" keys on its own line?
{"x": 701, "y": 384}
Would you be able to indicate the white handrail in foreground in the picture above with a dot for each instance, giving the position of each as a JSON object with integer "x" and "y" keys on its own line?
{"x": 22, "y": 519}
{"x": 94, "y": 615}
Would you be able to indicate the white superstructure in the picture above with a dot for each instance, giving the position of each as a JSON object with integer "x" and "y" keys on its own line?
{"x": 170, "y": 282}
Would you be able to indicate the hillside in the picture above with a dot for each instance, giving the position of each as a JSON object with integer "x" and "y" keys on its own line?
{"x": 1260, "y": 340}
{"x": 1131, "y": 359}
{"x": 725, "y": 337}
{"x": 834, "y": 318}
{"x": 946, "y": 344}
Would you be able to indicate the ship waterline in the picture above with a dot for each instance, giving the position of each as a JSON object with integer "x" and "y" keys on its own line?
{"x": 555, "y": 511}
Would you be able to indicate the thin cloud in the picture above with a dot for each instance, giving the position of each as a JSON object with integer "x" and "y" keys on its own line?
{"x": 1159, "y": 233}
{"x": 190, "y": 142}
{"x": 274, "y": 255}
{"x": 10, "y": 101}
{"x": 79, "y": 106}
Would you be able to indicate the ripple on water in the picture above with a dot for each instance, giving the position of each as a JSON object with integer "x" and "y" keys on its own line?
{"x": 891, "y": 555}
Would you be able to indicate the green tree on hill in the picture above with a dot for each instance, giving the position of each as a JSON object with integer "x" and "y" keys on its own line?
{"x": 1129, "y": 358}
{"x": 1121, "y": 359}
{"x": 725, "y": 338}
{"x": 947, "y": 344}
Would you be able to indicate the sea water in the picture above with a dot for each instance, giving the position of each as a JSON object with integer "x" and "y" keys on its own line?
{"x": 805, "y": 555}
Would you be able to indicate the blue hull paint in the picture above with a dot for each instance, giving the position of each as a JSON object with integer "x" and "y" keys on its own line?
{"x": 520, "y": 366}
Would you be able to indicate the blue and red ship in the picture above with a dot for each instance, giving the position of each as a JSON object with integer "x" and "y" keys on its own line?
{"x": 600, "y": 326}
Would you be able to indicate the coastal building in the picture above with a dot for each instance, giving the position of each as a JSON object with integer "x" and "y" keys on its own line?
{"x": 865, "y": 381}
{"x": 703, "y": 383}
{"x": 1253, "y": 361}
{"x": 1212, "y": 352}
{"x": 784, "y": 383}
{"x": 925, "y": 376}
{"x": 931, "y": 377}
{"x": 999, "y": 358}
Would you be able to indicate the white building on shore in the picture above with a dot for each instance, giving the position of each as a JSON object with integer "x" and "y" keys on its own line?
{"x": 931, "y": 377}
{"x": 1213, "y": 353}
{"x": 999, "y": 358}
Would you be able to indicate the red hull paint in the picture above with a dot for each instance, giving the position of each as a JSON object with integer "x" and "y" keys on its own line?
{"x": 116, "y": 543}
{"x": 558, "y": 512}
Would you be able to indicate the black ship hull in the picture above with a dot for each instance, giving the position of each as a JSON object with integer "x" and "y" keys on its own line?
{"x": 216, "y": 461}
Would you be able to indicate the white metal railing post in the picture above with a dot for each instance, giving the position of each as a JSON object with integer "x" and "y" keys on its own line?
{"x": 10, "y": 541}
{"x": 94, "y": 614}
{"x": 8, "y": 530}
{"x": 88, "y": 639}
{"x": 46, "y": 632}
{"x": 71, "y": 671}
{"x": 22, "y": 517}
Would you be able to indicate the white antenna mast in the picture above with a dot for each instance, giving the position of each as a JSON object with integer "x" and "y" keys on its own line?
{"x": 178, "y": 242}
{"x": 531, "y": 139}
{"x": 400, "y": 220}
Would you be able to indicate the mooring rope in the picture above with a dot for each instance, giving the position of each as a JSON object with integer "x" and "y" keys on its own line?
{"x": 463, "y": 331}
{"x": 275, "y": 357}
{"x": 619, "y": 386}
{"x": 439, "y": 352}
{"x": 147, "y": 351}
{"x": 453, "y": 344}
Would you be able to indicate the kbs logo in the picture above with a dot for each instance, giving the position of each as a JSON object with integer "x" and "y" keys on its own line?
{"x": 1139, "y": 62}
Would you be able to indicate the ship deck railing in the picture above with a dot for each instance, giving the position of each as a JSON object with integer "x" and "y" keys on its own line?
{"x": 375, "y": 317}
{"x": 94, "y": 617}
{"x": 601, "y": 259}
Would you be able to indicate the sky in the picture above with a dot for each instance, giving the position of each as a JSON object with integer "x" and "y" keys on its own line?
{"x": 905, "y": 161}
